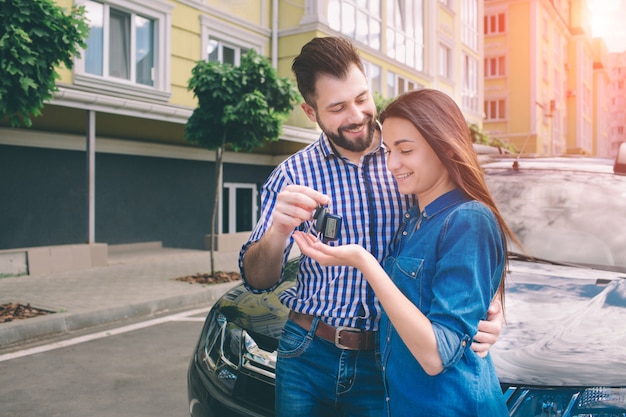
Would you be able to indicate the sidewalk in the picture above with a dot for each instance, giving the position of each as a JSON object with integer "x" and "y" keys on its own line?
{"x": 134, "y": 283}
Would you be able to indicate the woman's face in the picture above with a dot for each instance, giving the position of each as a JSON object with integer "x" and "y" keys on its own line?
{"x": 413, "y": 162}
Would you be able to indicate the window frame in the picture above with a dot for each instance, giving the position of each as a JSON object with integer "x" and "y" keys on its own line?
{"x": 211, "y": 28}
{"x": 469, "y": 92}
{"x": 372, "y": 39}
{"x": 498, "y": 102}
{"x": 499, "y": 23}
{"x": 469, "y": 23}
{"x": 159, "y": 12}
{"x": 413, "y": 47}
{"x": 499, "y": 63}
{"x": 232, "y": 206}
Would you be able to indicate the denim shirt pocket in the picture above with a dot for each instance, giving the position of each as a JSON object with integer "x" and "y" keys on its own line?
{"x": 406, "y": 273}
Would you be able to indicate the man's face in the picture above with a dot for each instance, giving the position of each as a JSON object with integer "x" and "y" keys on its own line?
{"x": 345, "y": 111}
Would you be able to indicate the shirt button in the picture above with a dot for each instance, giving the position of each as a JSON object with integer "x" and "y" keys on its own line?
{"x": 407, "y": 215}
{"x": 405, "y": 233}
{"x": 463, "y": 343}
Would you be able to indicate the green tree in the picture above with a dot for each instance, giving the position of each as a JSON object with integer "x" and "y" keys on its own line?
{"x": 381, "y": 102}
{"x": 36, "y": 36}
{"x": 239, "y": 106}
{"x": 480, "y": 137}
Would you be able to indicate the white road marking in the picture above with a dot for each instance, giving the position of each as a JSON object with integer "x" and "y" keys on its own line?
{"x": 184, "y": 316}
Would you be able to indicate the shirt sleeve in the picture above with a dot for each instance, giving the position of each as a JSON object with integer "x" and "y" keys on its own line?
{"x": 273, "y": 185}
{"x": 469, "y": 267}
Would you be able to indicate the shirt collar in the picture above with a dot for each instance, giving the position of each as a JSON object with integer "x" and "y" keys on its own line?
{"x": 449, "y": 199}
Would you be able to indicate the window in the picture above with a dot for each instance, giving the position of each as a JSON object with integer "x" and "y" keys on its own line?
{"x": 127, "y": 48}
{"x": 224, "y": 43}
{"x": 397, "y": 85}
{"x": 445, "y": 64}
{"x": 219, "y": 51}
{"x": 495, "y": 110}
{"x": 374, "y": 76}
{"x": 469, "y": 22}
{"x": 239, "y": 207}
{"x": 358, "y": 19}
{"x": 405, "y": 32}
{"x": 469, "y": 94}
{"x": 495, "y": 67}
{"x": 495, "y": 23}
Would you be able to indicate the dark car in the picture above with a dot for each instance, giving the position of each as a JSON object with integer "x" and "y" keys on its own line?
{"x": 563, "y": 349}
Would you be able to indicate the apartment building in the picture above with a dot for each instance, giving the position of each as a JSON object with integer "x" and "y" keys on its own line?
{"x": 617, "y": 98}
{"x": 107, "y": 162}
{"x": 543, "y": 76}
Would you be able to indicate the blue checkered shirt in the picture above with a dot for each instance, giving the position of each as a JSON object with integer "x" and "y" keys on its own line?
{"x": 366, "y": 197}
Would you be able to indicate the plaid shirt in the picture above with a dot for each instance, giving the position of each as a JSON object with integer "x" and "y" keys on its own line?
{"x": 366, "y": 197}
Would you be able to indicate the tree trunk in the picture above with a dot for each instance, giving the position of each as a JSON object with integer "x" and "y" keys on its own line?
{"x": 219, "y": 155}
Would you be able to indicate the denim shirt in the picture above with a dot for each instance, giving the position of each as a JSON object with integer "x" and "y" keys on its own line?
{"x": 448, "y": 260}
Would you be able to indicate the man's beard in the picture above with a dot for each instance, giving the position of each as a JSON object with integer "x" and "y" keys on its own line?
{"x": 360, "y": 144}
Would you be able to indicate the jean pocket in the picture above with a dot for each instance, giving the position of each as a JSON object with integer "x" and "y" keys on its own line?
{"x": 293, "y": 340}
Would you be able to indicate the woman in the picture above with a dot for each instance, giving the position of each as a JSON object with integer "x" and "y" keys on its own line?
{"x": 444, "y": 267}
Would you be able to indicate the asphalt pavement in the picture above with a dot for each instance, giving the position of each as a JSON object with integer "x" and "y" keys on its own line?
{"x": 135, "y": 283}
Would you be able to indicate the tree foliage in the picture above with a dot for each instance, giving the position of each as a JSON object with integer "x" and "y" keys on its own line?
{"x": 241, "y": 105}
{"x": 36, "y": 36}
{"x": 480, "y": 137}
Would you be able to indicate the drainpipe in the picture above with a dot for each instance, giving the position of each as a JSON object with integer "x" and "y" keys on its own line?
{"x": 275, "y": 33}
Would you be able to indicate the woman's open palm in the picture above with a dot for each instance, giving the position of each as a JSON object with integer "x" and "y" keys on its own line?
{"x": 349, "y": 255}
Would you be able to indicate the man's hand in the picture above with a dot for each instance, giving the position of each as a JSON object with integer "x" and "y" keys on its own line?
{"x": 488, "y": 330}
{"x": 263, "y": 260}
{"x": 294, "y": 205}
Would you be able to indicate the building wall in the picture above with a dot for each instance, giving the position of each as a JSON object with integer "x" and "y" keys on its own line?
{"x": 548, "y": 84}
{"x": 150, "y": 184}
{"x": 617, "y": 99}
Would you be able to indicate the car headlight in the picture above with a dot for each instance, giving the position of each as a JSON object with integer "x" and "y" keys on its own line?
{"x": 567, "y": 402}
{"x": 227, "y": 349}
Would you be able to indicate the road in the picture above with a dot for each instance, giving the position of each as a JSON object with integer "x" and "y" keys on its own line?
{"x": 133, "y": 369}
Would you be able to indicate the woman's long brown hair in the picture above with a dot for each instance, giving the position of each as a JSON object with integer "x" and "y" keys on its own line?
{"x": 442, "y": 124}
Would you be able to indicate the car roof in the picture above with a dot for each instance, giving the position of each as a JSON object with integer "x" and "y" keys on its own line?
{"x": 556, "y": 163}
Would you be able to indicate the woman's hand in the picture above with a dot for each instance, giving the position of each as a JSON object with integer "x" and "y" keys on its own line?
{"x": 348, "y": 255}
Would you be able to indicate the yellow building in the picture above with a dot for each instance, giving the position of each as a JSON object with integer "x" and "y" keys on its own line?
{"x": 122, "y": 109}
{"x": 539, "y": 75}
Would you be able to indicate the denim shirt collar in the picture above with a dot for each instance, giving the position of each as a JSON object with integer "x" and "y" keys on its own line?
{"x": 441, "y": 203}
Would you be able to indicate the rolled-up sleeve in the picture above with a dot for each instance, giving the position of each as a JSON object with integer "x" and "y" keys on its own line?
{"x": 467, "y": 277}
{"x": 274, "y": 184}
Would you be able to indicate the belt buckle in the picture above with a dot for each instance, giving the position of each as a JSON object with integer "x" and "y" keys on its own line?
{"x": 338, "y": 336}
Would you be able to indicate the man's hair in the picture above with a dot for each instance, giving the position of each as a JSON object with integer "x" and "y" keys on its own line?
{"x": 330, "y": 56}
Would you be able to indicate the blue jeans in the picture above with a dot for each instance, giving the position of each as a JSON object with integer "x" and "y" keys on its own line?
{"x": 316, "y": 378}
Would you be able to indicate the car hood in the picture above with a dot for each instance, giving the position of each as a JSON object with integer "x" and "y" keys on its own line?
{"x": 565, "y": 327}
{"x": 261, "y": 315}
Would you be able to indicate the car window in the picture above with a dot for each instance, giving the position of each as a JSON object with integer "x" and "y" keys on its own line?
{"x": 565, "y": 216}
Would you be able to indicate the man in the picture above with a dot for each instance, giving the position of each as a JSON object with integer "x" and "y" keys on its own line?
{"x": 327, "y": 363}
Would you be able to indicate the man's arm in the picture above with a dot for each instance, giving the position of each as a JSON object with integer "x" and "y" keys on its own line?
{"x": 263, "y": 261}
{"x": 488, "y": 330}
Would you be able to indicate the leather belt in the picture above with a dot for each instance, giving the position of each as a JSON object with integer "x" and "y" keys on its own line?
{"x": 343, "y": 337}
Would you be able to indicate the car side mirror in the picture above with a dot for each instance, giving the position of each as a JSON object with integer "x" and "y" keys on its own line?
{"x": 620, "y": 160}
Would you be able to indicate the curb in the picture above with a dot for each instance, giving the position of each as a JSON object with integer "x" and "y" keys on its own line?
{"x": 27, "y": 330}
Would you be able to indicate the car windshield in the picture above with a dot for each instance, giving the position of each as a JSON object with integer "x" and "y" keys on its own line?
{"x": 564, "y": 216}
